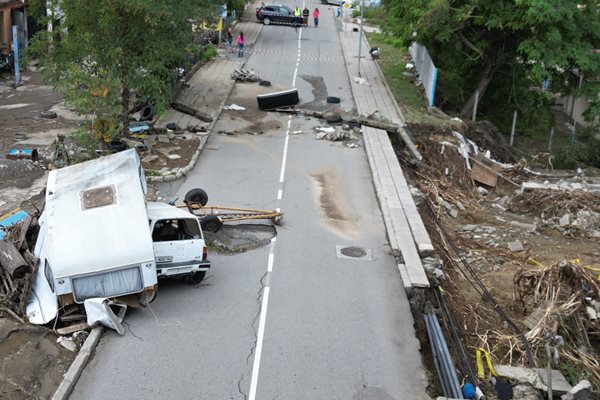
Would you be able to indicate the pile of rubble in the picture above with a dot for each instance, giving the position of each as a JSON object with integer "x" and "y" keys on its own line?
{"x": 574, "y": 213}
{"x": 17, "y": 263}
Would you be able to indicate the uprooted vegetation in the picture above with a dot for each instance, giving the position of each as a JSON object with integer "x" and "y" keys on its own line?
{"x": 521, "y": 268}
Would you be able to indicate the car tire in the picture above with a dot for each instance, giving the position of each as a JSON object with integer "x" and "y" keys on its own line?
{"x": 265, "y": 83}
{"x": 333, "y": 100}
{"x": 48, "y": 114}
{"x": 196, "y": 196}
{"x": 211, "y": 223}
{"x": 147, "y": 113}
{"x": 267, "y": 21}
{"x": 195, "y": 278}
{"x": 117, "y": 145}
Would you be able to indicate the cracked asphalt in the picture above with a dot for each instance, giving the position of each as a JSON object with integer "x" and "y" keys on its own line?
{"x": 290, "y": 317}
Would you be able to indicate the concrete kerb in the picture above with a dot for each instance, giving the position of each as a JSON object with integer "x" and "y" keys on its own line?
{"x": 184, "y": 170}
{"x": 72, "y": 376}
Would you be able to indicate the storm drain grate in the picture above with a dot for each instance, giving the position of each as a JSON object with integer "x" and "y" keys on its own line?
{"x": 354, "y": 253}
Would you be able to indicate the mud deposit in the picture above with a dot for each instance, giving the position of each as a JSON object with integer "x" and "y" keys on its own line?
{"x": 333, "y": 206}
{"x": 32, "y": 364}
{"x": 240, "y": 238}
{"x": 319, "y": 92}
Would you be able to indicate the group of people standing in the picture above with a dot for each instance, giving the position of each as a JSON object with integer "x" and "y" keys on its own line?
{"x": 303, "y": 15}
{"x": 241, "y": 42}
{"x": 302, "y": 20}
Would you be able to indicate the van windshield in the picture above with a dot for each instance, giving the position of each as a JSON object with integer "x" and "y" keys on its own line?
{"x": 168, "y": 230}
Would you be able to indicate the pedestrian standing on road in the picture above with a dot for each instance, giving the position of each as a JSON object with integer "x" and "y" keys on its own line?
{"x": 229, "y": 40}
{"x": 305, "y": 15}
{"x": 241, "y": 41}
{"x": 297, "y": 16}
{"x": 316, "y": 17}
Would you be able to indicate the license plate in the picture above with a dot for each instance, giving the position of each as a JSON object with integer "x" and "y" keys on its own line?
{"x": 165, "y": 259}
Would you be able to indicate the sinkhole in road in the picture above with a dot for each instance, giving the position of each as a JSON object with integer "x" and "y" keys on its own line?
{"x": 354, "y": 253}
{"x": 239, "y": 238}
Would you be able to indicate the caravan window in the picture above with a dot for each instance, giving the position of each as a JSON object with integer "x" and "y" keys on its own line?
{"x": 48, "y": 274}
{"x": 168, "y": 230}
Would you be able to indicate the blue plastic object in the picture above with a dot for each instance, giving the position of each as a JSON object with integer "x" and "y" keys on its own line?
{"x": 12, "y": 219}
{"x": 468, "y": 391}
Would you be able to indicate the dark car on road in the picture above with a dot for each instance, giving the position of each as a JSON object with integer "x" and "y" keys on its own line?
{"x": 275, "y": 14}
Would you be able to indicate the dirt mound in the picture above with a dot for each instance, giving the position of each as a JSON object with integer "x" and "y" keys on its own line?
{"x": 488, "y": 137}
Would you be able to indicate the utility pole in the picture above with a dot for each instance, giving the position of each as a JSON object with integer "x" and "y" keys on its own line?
{"x": 15, "y": 33}
{"x": 362, "y": 13}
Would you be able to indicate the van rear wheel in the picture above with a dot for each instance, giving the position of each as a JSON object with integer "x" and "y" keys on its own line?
{"x": 195, "y": 278}
{"x": 196, "y": 196}
{"x": 211, "y": 223}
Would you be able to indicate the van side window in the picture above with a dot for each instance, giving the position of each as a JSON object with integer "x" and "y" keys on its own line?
{"x": 48, "y": 274}
{"x": 169, "y": 230}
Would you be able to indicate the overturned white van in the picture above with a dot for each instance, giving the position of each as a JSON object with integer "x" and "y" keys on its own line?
{"x": 94, "y": 239}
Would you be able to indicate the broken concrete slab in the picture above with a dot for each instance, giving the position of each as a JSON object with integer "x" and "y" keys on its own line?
{"x": 565, "y": 220}
{"x": 149, "y": 158}
{"x": 559, "y": 383}
{"x": 581, "y": 391}
{"x": 469, "y": 227}
{"x": 163, "y": 139}
{"x": 524, "y": 226}
{"x": 536, "y": 377}
{"x": 174, "y": 156}
{"x": 516, "y": 246}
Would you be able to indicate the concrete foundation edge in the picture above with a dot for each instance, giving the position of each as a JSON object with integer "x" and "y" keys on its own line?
{"x": 72, "y": 376}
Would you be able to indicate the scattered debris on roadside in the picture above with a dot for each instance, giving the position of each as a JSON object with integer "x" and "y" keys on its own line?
{"x": 242, "y": 75}
{"x": 495, "y": 240}
{"x": 234, "y": 107}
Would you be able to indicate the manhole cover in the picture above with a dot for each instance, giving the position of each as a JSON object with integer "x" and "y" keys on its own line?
{"x": 354, "y": 252}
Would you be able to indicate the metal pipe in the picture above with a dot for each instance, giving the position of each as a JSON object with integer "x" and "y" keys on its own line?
{"x": 360, "y": 36}
{"x": 454, "y": 382}
{"x": 436, "y": 360}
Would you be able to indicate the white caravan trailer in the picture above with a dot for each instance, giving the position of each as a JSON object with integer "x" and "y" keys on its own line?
{"x": 94, "y": 239}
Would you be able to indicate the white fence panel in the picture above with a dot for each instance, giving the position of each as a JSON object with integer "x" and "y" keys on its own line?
{"x": 426, "y": 69}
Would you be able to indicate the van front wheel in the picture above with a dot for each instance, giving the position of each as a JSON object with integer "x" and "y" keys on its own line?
{"x": 195, "y": 278}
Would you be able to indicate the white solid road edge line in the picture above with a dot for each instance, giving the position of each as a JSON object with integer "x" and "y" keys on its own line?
{"x": 259, "y": 343}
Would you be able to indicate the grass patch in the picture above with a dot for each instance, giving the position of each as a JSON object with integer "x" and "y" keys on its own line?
{"x": 409, "y": 96}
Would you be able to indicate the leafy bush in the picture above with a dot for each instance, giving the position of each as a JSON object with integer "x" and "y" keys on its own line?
{"x": 209, "y": 53}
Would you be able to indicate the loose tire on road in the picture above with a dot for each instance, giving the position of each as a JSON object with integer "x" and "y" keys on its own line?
{"x": 267, "y": 21}
{"x": 211, "y": 223}
{"x": 48, "y": 114}
{"x": 333, "y": 99}
{"x": 196, "y": 196}
{"x": 195, "y": 278}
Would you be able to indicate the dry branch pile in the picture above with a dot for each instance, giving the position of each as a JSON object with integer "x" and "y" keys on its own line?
{"x": 554, "y": 204}
{"x": 17, "y": 267}
{"x": 566, "y": 297}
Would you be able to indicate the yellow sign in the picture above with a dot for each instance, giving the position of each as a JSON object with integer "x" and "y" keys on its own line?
{"x": 347, "y": 5}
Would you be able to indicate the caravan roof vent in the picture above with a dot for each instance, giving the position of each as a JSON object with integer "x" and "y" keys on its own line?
{"x": 98, "y": 197}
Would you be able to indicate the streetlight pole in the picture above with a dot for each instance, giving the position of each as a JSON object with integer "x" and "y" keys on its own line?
{"x": 362, "y": 13}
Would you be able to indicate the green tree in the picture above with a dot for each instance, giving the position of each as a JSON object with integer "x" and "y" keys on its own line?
{"x": 479, "y": 41}
{"x": 100, "y": 52}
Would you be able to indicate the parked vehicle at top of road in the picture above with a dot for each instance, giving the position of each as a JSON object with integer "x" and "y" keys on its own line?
{"x": 275, "y": 14}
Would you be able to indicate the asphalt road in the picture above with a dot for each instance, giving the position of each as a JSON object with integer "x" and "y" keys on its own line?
{"x": 292, "y": 320}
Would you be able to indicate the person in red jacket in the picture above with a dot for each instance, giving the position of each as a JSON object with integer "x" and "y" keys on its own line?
{"x": 316, "y": 17}
{"x": 241, "y": 41}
